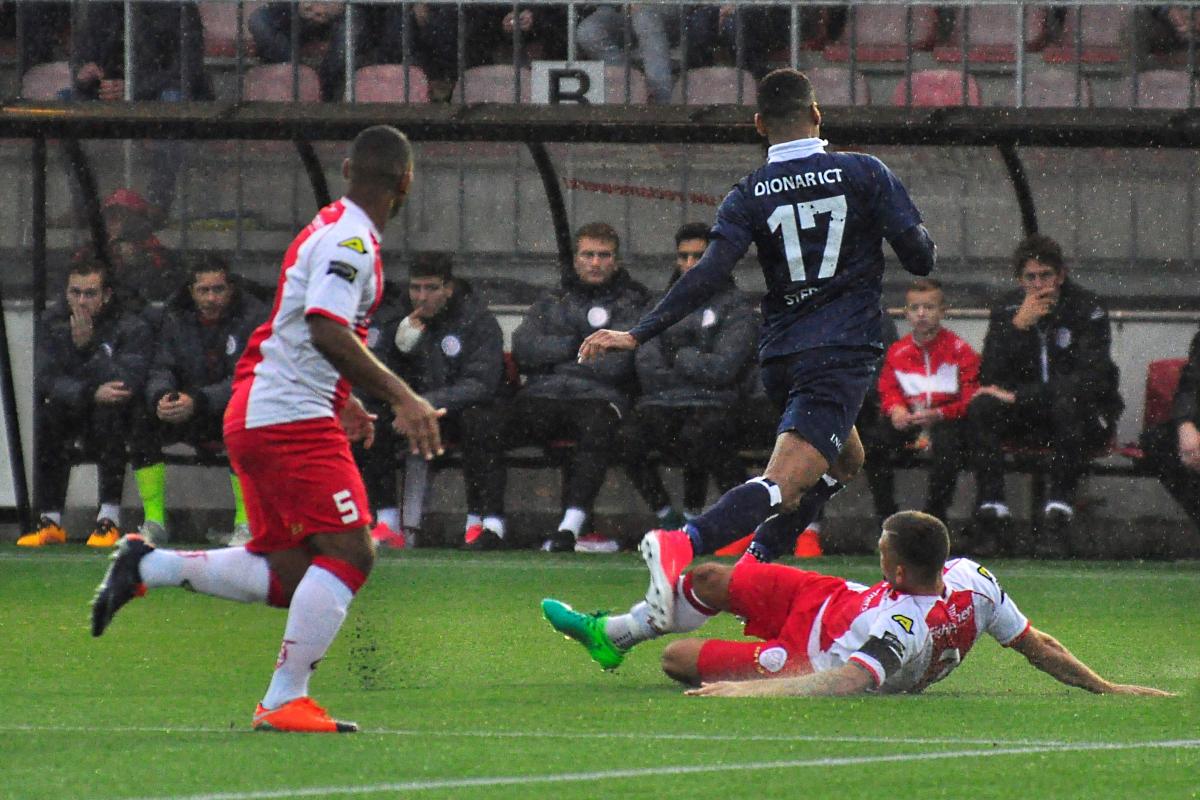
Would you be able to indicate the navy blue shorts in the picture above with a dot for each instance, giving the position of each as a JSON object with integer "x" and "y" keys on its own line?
{"x": 819, "y": 393}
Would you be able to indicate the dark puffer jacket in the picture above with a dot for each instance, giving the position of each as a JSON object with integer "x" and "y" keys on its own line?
{"x": 120, "y": 350}
{"x": 1073, "y": 341}
{"x": 199, "y": 359}
{"x": 459, "y": 359}
{"x": 546, "y": 344}
{"x": 701, "y": 360}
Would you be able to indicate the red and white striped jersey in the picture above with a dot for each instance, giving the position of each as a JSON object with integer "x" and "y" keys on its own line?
{"x": 332, "y": 268}
{"x": 909, "y": 641}
{"x": 943, "y": 374}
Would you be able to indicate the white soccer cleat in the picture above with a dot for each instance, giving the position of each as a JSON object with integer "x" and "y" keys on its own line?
{"x": 667, "y": 554}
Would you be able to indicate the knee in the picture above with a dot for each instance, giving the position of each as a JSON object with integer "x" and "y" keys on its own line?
{"x": 710, "y": 584}
{"x": 849, "y": 462}
{"x": 680, "y": 661}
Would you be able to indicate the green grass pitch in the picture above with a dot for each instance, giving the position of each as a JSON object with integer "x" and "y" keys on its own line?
{"x": 463, "y": 691}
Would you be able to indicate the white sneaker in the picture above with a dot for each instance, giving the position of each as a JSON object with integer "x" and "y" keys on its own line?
{"x": 595, "y": 543}
{"x": 241, "y": 535}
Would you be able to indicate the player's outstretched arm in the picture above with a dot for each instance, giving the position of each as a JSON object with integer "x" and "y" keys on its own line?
{"x": 416, "y": 419}
{"x": 848, "y": 679}
{"x": 1051, "y": 657}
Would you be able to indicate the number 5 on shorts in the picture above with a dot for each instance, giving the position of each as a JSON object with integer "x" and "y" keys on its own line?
{"x": 346, "y": 505}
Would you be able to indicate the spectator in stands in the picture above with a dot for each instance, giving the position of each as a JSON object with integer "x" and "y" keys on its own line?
{"x": 447, "y": 344}
{"x": 711, "y": 27}
{"x": 168, "y": 64}
{"x": 564, "y": 399}
{"x": 319, "y": 25}
{"x": 925, "y": 384}
{"x": 90, "y": 368}
{"x": 690, "y": 379}
{"x": 602, "y": 35}
{"x": 1173, "y": 448}
{"x": 41, "y": 29}
{"x": 1047, "y": 378}
{"x": 1166, "y": 29}
{"x": 204, "y": 329}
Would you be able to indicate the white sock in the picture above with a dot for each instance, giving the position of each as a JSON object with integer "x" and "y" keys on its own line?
{"x": 573, "y": 520}
{"x": 474, "y": 519}
{"x": 110, "y": 511}
{"x": 626, "y": 630}
{"x": 688, "y": 616}
{"x": 53, "y": 516}
{"x": 389, "y": 516}
{"x": 233, "y": 573}
{"x": 314, "y": 618}
{"x": 495, "y": 525}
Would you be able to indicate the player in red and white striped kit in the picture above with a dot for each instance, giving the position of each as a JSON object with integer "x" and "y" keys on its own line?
{"x": 823, "y": 635}
{"x": 288, "y": 428}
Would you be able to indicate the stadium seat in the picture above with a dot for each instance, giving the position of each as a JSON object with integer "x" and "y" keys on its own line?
{"x": 219, "y": 18}
{"x": 273, "y": 83}
{"x": 45, "y": 81}
{"x": 880, "y": 33}
{"x": 386, "y": 83}
{"x": 991, "y": 33}
{"x": 614, "y": 86}
{"x": 1157, "y": 88}
{"x": 713, "y": 85}
{"x": 1055, "y": 88}
{"x": 832, "y": 85}
{"x": 937, "y": 87}
{"x": 492, "y": 83}
{"x": 1104, "y": 38}
{"x": 1162, "y": 380}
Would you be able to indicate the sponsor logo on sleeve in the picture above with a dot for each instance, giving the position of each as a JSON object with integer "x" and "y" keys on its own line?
{"x": 984, "y": 572}
{"x": 893, "y": 643}
{"x": 773, "y": 659}
{"x": 343, "y": 270}
{"x": 355, "y": 244}
{"x": 903, "y": 622}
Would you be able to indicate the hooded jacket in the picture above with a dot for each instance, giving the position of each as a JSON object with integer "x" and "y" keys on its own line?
{"x": 120, "y": 350}
{"x": 1186, "y": 407}
{"x": 197, "y": 358}
{"x": 546, "y": 344}
{"x": 1068, "y": 351}
{"x": 458, "y": 361}
{"x": 701, "y": 360}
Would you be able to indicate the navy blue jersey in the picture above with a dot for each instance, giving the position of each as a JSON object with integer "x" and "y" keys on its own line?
{"x": 818, "y": 222}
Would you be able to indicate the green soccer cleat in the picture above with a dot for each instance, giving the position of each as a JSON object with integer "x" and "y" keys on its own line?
{"x": 587, "y": 629}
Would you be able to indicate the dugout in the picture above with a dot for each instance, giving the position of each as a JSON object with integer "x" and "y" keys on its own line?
{"x": 991, "y": 172}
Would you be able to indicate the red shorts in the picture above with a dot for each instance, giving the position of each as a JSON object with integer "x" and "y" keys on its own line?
{"x": 780, "y": 605}
{"x": 297, "y": 479}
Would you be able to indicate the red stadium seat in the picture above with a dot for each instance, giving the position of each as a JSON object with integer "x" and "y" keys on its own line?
{"x": 492, "y": 83}
{"x": 273, "y": 83}
{"x": 1157, "y": 88}
{"x": 45, "y": 81}
{"x": 219, "y": 18}
{"x": 1055, "y": 88}
{"x": 880, "y": 33}
{"x": 614, "y": 86}
{"x": 387, "y": 83}
{"x": 937, "y": 87}
{"x": 713, "y": 85}
{"x": 1162, "y": 381}
{"x": 832, "y": 85}
{"x": 1104, "y": 38}
{"x": 991, "y": 33}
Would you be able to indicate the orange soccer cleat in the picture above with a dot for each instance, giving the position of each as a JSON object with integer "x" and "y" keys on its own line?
{"x": 105, "y": 534}
{"x": 48, "y": 532}
{"x": 301, "y": 715}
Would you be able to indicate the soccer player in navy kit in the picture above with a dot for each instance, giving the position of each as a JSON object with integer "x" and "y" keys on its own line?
{"x": 818, "y": 220}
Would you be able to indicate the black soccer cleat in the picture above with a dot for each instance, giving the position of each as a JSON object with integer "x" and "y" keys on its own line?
{"x": 121, "y": 583}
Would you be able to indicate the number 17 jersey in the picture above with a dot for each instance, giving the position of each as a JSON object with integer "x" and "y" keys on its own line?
{"x": 818, "y": 221}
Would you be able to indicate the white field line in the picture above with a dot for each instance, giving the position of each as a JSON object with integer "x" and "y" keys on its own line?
{"x": 652, "y": 772}
{"x": 486, "y": 734}
{"x": 592, "y": 563}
